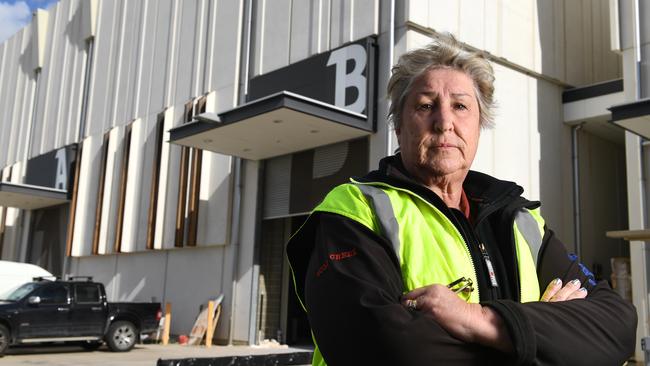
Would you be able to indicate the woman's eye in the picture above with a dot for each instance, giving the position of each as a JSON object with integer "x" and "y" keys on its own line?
{"x": 425, "y": 107}
{"x": 461, "y": 106}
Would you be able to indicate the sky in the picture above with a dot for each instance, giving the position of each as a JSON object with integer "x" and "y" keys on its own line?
{"x": 15, "y": 14}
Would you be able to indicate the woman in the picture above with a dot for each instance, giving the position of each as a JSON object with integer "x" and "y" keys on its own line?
{"x": 425, "y": 262}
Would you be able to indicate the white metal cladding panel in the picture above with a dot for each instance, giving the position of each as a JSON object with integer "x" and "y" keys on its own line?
{"x": 165, "y": 177}
{"x": 102, "y": 89}
{"x": 562, "y": 39}
{"x": 511, "y": 151}
{"x": 147, "y": 39}
{"x": 126, "y": 61}
{"x": 111, "y": 191}
{"x": 186, "y": 44}
{"x": 132, "y": 205}
{"x": 147, "y": 146}
{"x": 20, "y": 98}
{"x": 87, "y": 196}
{"x": 223, "y": 50}
{"x": 12, "y": 72}
{"x": 300, "y": 42}
{"x": 61, "y": 80}
{"x": 286, "y": 32}
{"x": 161, "y": 20}
{"x": 215, "y": 198}
{"x": 173, "y": 171}
{"x": 12, "y": 220}
{"x": 272, "y": 33}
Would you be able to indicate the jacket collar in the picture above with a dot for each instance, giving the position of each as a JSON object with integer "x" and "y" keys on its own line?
{"x": 481, "y": 189}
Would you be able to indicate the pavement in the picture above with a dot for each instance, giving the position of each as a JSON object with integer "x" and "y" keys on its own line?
{"x": 140, "y": 355}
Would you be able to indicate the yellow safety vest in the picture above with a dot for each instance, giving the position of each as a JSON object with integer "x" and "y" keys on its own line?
{"x": 429, "y": 247}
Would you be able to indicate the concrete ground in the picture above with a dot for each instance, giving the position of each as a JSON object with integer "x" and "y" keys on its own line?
{"x": 141, "y": 355}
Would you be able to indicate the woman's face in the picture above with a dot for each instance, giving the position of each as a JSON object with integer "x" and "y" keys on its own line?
{"x": 439, "y": 130}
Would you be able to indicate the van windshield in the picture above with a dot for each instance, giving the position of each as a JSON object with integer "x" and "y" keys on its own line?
{"x": 19, "y": 293}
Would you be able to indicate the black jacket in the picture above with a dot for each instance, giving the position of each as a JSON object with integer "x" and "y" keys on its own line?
{"x": 354, "y": 305}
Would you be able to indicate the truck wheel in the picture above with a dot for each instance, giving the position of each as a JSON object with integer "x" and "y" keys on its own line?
{"x": 121, "y": 336}
{"x": 4, "y": 339}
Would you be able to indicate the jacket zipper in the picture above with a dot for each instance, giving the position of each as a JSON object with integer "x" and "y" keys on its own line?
{"x": 488, "y": 264}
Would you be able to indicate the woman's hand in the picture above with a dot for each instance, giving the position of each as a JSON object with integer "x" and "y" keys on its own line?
{"x": 555, "y": 292}
{"x": 470, "y": 323}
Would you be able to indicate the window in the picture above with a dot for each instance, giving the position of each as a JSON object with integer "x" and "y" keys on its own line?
{"x": 54, "y": 293}
{"x": 87, "y": 293}
{"x": 189, "y": 185}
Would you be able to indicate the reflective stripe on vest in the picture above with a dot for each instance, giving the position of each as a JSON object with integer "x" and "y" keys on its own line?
{"x": 384, "y": 210}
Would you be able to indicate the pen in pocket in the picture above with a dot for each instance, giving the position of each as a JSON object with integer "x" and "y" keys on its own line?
{"x": 461, "y": 285}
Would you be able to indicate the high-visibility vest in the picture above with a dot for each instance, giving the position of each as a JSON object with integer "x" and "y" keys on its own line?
{"x": 429, "y": 247}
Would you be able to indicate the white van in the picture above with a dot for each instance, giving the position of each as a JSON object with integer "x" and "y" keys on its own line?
{"x": 14, "y": 274}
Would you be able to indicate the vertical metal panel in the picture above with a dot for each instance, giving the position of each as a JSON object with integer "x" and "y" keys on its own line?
{"x": 302, "y": 27}
{"x": 161, "y": 30}
{"x": 224, "y": 46}
{"x": 184, "y": 66}
{"x": 162, "y": 207}
{"x": 364, "y": 18}
{"x": 47, "y": 128}
{"x": 215, "y": 196}
{"x": 7, "y": 102}
{"x": 171, "y": 199}
{"x": 86, "y": 196}
{"x": 133, "y": 206}
{"x": 320, "y": 34}
{"x": 144, "y": 67}
{"x": 101, "y": 96}
{"x": 111, "y": 189}
{"x": 273, "y": 22}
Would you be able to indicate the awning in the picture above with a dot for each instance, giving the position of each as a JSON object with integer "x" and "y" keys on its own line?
{"x": 634, "y": 117}
{"x": 29, "y": 197}
{"x": 279, "y": 124}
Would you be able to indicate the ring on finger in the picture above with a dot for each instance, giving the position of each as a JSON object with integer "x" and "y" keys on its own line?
{"x": 412, "y": 304}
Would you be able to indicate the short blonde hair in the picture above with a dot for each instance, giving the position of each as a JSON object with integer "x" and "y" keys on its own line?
{"x": 444, "y": 52}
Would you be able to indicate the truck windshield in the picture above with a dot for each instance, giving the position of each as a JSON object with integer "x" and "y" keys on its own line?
{"x": 20, "y": 292}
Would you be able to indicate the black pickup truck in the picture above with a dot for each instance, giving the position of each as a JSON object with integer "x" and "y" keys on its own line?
{"x": 74, "y": 310}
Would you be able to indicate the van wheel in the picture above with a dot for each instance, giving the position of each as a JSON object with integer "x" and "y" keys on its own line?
{"x": 121, "y": 336}
{"x": 4, "y": 339}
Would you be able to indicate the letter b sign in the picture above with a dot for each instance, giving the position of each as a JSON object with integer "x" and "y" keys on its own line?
{"x": 354, "y": 79}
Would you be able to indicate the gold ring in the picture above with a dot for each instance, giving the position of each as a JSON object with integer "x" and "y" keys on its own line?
{"x": 412, "y": 304}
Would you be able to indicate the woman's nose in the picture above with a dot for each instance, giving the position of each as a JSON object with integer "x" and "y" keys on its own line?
{"x": 443, "y": 119}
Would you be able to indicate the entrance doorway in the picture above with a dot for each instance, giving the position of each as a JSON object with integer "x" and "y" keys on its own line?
{"x": 281, "y": 316}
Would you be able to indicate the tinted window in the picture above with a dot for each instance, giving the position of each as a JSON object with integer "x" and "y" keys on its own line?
{"x": 87, "y": 293}
{"x": 55, "y": 293}
{"x": 21, "y": 291}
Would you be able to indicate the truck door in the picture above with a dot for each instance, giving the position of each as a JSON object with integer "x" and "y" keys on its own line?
{"x": 49, "y": 317}
{"x": 89, "y": 310}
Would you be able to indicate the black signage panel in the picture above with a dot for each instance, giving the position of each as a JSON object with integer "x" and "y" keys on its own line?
{"x": 53, "y": 169}
{"x": 344, "y": 77}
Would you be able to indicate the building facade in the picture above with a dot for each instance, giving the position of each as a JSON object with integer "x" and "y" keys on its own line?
{"x": 169, "y": 148}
